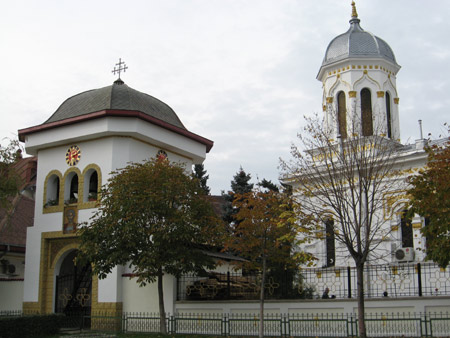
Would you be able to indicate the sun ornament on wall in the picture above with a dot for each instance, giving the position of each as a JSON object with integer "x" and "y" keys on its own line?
{"x": 73, "y": 155}
{"x": 161, "y": 155}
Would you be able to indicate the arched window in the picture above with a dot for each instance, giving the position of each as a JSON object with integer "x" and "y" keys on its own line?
{"x": 366, "y": 112}
{"x": 71, "y": 188}
{"x": 329, "y": 242}
{"x": 91, "y": 185}
{"x": 388, "y": 115}
{"x": 52, "y": 191}
{"x": 342, "y": 115}
{"x": 407, "y": 231}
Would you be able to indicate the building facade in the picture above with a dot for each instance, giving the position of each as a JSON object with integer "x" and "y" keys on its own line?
{"x": 90, "y": 135}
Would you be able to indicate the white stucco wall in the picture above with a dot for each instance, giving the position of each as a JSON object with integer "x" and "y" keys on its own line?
{"x": 109, "y": 143}
{"x": 145, "y": 299}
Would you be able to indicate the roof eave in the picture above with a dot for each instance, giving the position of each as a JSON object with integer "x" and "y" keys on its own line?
{"x": 116, "y": 113}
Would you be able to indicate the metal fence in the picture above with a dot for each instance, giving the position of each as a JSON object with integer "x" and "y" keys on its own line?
{"x": 275, "y": 325}
{"x": 400, "y": 280}
{"x": 278, "y": 325}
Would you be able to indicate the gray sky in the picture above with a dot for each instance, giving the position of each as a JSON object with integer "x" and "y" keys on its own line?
{"x": 239, "y": 72}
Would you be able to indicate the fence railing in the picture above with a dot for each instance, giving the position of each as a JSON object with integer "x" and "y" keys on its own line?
{"x": 275, "y": 325}
{"x": 279, "y": 325}
{"x": 400, "y": 280}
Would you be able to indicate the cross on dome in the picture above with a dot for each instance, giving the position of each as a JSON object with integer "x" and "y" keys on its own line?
{"x": 119, "y": 68}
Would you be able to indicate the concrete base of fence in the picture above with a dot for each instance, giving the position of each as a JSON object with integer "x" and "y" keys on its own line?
{"x": 319, "y": 306}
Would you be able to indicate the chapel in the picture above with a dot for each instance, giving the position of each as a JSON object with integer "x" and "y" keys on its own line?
{"x": 90, "y": 135}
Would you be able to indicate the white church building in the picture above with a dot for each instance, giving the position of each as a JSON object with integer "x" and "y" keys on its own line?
{"x": 90, "y": 135}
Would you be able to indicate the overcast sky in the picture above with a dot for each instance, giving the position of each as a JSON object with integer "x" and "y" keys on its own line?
{"x": 239, "y": 72}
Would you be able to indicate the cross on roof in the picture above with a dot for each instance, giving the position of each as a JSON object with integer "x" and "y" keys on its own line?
{"x": 120, "y": 68}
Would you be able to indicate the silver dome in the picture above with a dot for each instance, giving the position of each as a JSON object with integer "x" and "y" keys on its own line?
{"x": 357, "y": 43}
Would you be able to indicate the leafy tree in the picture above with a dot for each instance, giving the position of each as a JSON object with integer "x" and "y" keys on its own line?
{"x": 345, "y": 180}
{"x": 429, "y": 197}
{"x": 199, "y": 173}
{"x": 264, "y": 236}
{"x": 10, "y": 180}
{"x": 155, "y": 219}
{"x": 239, "y": 185}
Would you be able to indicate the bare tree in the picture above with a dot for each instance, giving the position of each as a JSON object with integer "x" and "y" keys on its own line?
{"x": 345, "y": 180}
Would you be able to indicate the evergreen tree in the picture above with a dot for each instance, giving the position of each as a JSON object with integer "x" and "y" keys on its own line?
{"x": 239, "y": 185}
{"x": 269, "y": 185}
{"x": 199, "y": 173}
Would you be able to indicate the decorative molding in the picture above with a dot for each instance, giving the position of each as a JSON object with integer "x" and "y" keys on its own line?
{"x": 380, "y": 94}
{"x": 417, "y": 225}
{"x": 352, "y": 94}
{"x": 81, "y": 203}
{"x": 60, "y": 203}
{"x": 396, "y": 100}
{"x": 330, "y": 99}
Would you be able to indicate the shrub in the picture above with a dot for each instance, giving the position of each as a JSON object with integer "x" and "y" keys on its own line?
{"x": 30, "y": 326}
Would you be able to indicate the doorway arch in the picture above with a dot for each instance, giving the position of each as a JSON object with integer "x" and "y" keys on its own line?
{"x": 73, "y": 289}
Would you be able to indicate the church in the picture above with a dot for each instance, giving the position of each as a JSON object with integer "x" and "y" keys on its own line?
{"x": 90, "y": 135}
{"x": 98, "y": 131}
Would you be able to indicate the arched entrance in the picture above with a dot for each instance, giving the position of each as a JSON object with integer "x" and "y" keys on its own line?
{"x": 74, "y": 291}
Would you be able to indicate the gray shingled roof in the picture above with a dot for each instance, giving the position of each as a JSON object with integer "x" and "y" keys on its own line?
{"x": 358, "y": 43}
{"x": 118, "y": 97}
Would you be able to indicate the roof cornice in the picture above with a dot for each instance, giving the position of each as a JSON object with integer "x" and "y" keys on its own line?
{"x": 116, "y": 113}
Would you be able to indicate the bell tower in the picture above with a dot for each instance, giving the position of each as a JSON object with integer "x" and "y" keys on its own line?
{"x": 358, "y": 74}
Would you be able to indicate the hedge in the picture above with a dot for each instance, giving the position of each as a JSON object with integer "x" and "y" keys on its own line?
{"x": 30, "y": 326}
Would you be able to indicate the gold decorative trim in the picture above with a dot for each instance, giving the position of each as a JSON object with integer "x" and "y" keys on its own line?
{"x": 81, "y": 203}
{"x": 394, "y": 228}
{"x": 60, "y": 203}
{"x": 392, "y": 200}
{"x": 76, "y": 171}
{"x": 30, "y": 308}
{"x": 380, "y": 94}
{"x": 324, "y": 107}
{"x": 354, "y": 12}
{"x": 85, "y": 203}
{"x": 396, "y": 100}
{"x": 330, "y": 99}
{"x": 54, "y": 245}
{"x": 352, "y": 93}
{"x": 417, "y": 225}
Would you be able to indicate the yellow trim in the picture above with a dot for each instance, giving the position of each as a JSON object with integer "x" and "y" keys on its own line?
{"x": 60, "y": 205}
{"x": 80, "y": 180}
{"x": 330, "y": 99}
{"x": 380, "y": 94}
{"x": 417, "y": 225}
{"x": 396, "y": 100}
{"x": 352, "y": 93}
{"x": 53, "y": 246}
{"x": 82, "y": 204}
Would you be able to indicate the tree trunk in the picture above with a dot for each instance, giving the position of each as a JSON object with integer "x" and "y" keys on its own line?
{"x": 162, "y": 311}
{"x": 360, "y": 289}
{"x": 261, "y": 300}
